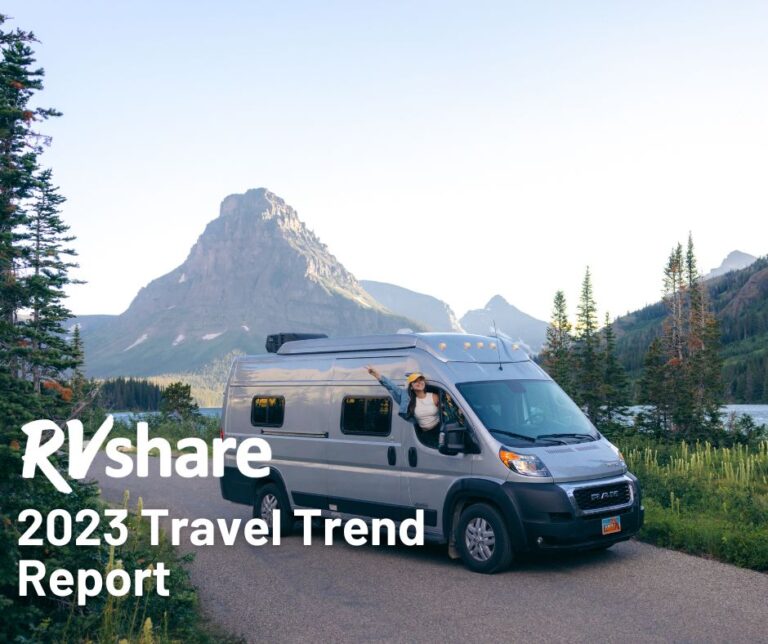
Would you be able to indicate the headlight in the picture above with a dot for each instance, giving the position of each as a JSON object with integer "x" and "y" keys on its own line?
{"x": 526, "y": 464}
{"x": 618, "y": 453}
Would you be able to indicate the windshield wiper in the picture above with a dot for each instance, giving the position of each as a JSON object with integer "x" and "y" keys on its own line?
{"x": 513, "y": 435}
{"x": 588, "y": 436}
{"x": 527, "y": 438}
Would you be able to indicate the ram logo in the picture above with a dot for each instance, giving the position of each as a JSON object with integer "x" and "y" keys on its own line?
{"x": 603, "y": 496}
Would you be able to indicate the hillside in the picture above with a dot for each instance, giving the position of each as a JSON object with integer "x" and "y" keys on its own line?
{"x": 434, "y": 314}
{"x": 740, "y": 302}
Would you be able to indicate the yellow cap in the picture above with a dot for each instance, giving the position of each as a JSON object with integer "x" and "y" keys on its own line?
{"x": 414, "y": 376}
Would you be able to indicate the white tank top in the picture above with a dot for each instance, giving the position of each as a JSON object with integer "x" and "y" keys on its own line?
{"x": 426, "y": 412}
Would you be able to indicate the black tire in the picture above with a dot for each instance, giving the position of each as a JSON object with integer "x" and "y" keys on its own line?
{"x": 483, "y": 540}
{"x": 272, "y": 497}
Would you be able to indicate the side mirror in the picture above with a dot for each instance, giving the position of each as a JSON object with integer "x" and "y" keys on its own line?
{"x": 452, "y": 439}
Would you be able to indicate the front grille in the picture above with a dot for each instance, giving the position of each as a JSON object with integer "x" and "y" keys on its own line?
{"x": 602, "y": 496}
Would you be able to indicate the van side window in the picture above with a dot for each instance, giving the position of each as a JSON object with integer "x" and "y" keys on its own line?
{"x": 267, "y": 411}
{"x": 366, "y": 415}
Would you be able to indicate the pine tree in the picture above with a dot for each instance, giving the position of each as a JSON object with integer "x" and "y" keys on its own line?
{"x": 20, "y": 146}
{"x": 614, "y": 393}
{"x": 654, "y": 389}
{"x": 689, "y": 388}
{"x": 674, "y": 299}
{"x": 704, "y": 352}
{"x": 557, "y": 354}
{"x": 177, "y": 401}
{"x": 589, "y": 362}
{"x": 49, "y": 353}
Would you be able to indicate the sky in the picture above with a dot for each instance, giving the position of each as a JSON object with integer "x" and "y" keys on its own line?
{"x": 458, "y": 149}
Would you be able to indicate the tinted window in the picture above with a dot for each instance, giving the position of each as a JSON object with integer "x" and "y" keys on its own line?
{"x": 365, "y": 415}
{"x": 267, "y": 411}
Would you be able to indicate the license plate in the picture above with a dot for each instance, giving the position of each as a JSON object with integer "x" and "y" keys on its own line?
{"x": 611, "y": 525}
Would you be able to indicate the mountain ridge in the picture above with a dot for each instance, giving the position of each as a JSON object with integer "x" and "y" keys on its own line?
{"x": 509, "y": 320}
{"x": 255, "y": 269}
{"x": 435, "y": 314}
{"x": 739, "y": 299}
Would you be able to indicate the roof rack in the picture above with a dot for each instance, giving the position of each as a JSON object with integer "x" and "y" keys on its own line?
{"x": 341, "y": 345}
{"x": 277, "y": 340}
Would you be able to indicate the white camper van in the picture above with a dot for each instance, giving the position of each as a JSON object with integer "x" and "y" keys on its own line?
{"x": 517, "y": 467}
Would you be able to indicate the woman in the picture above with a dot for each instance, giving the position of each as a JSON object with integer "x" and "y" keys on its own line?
{"x": 417, "y": 405}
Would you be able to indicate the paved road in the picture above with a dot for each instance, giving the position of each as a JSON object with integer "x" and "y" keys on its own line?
{"x": 292, "y": 592}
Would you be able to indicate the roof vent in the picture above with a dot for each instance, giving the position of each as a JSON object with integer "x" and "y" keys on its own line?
{"x": 277, "y": 340}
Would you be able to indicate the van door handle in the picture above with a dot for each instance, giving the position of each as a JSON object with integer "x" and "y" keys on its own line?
{"x": 412, "y": 457}
{"x": 391, "y": 456}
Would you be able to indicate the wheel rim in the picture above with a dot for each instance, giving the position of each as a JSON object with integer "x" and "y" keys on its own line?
{"x": 268, "y": 505}
{"x": 480, "y": 539}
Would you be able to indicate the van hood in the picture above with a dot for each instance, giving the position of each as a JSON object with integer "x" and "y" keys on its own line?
{"x": 581, "y": 461}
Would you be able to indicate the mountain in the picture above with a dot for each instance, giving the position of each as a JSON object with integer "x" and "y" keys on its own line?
{"x": 255, "y": 270}
{"x": 735, "y": 260}
{"x": 739, "y": 299}
{"x": 89, "y": 323}
{"x": 434, "y": 314}
{"x": 509, "y": 320}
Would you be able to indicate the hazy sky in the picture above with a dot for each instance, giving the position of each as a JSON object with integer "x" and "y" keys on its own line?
{"x": 460, "y": 149}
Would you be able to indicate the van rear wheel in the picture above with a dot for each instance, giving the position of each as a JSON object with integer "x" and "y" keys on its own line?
{"x": 483, "y": 540}
{"x": 269, "y": 498}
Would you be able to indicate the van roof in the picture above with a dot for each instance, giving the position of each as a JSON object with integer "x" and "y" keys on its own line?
{"x": 446, "y": 347}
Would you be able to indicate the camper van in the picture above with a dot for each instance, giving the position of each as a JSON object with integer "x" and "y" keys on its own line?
{"x": 513, "y": 466}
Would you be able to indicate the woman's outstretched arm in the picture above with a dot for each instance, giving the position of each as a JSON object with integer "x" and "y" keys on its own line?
{"x": 391, "y": 387}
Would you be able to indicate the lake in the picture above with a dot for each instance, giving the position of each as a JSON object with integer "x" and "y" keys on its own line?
{"x": 212, "y": 412}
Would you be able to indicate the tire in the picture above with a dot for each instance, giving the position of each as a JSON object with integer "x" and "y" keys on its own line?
{"x": 483, "y": 540}
{"x": 272, "y": 497}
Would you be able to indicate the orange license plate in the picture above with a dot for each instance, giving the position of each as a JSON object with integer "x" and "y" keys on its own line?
{"x": 611, "y": 525}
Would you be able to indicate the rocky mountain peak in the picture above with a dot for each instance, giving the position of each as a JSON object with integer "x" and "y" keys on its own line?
{"x": 255, "y": 269}
{"x": 735, "y": 260}
{"x": 496, "y": 302}
{"x": 507, "y": 319}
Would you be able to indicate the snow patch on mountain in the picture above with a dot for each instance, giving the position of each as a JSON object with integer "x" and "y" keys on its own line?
{"x": 137, "y": 343}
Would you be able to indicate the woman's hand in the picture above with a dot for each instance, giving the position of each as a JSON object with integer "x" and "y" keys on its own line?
{"x": 373, "y": 372}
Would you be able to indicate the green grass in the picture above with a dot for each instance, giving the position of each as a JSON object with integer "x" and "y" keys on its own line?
{"x": 104, "y": 618}
{"x": 130, "y": 619}
{"x": 706, "y": 500}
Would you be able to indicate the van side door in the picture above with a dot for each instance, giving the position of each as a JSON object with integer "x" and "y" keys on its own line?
{"x": 428, "y": 473}
{"x": 365, "y": 453}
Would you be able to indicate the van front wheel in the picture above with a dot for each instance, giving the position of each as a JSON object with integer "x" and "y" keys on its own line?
{"x": 269, "y": 498}
{"x": 483, "y": 540}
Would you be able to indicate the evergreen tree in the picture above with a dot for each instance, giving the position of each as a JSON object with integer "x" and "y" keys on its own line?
{"x": 557, "y": 354}
{"x": 20, "y": 147}
{"x": 614, "y": 394}
{"x": 689, "y": 388}
{"x": 674, "y": 299}
{"x": 589, "y": 361}
{"x": 78, "y": 357}
{"x": 49, "y": 352}
{"x": 177, "y": 401}
{"x": 654, "y": 389}
{"x": 705, "y": 362}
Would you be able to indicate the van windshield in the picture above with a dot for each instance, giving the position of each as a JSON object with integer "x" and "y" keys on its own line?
{"x": 528, "y": 411}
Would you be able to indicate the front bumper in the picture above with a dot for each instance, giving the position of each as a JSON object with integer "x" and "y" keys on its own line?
{"x": 552, "y": 518}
